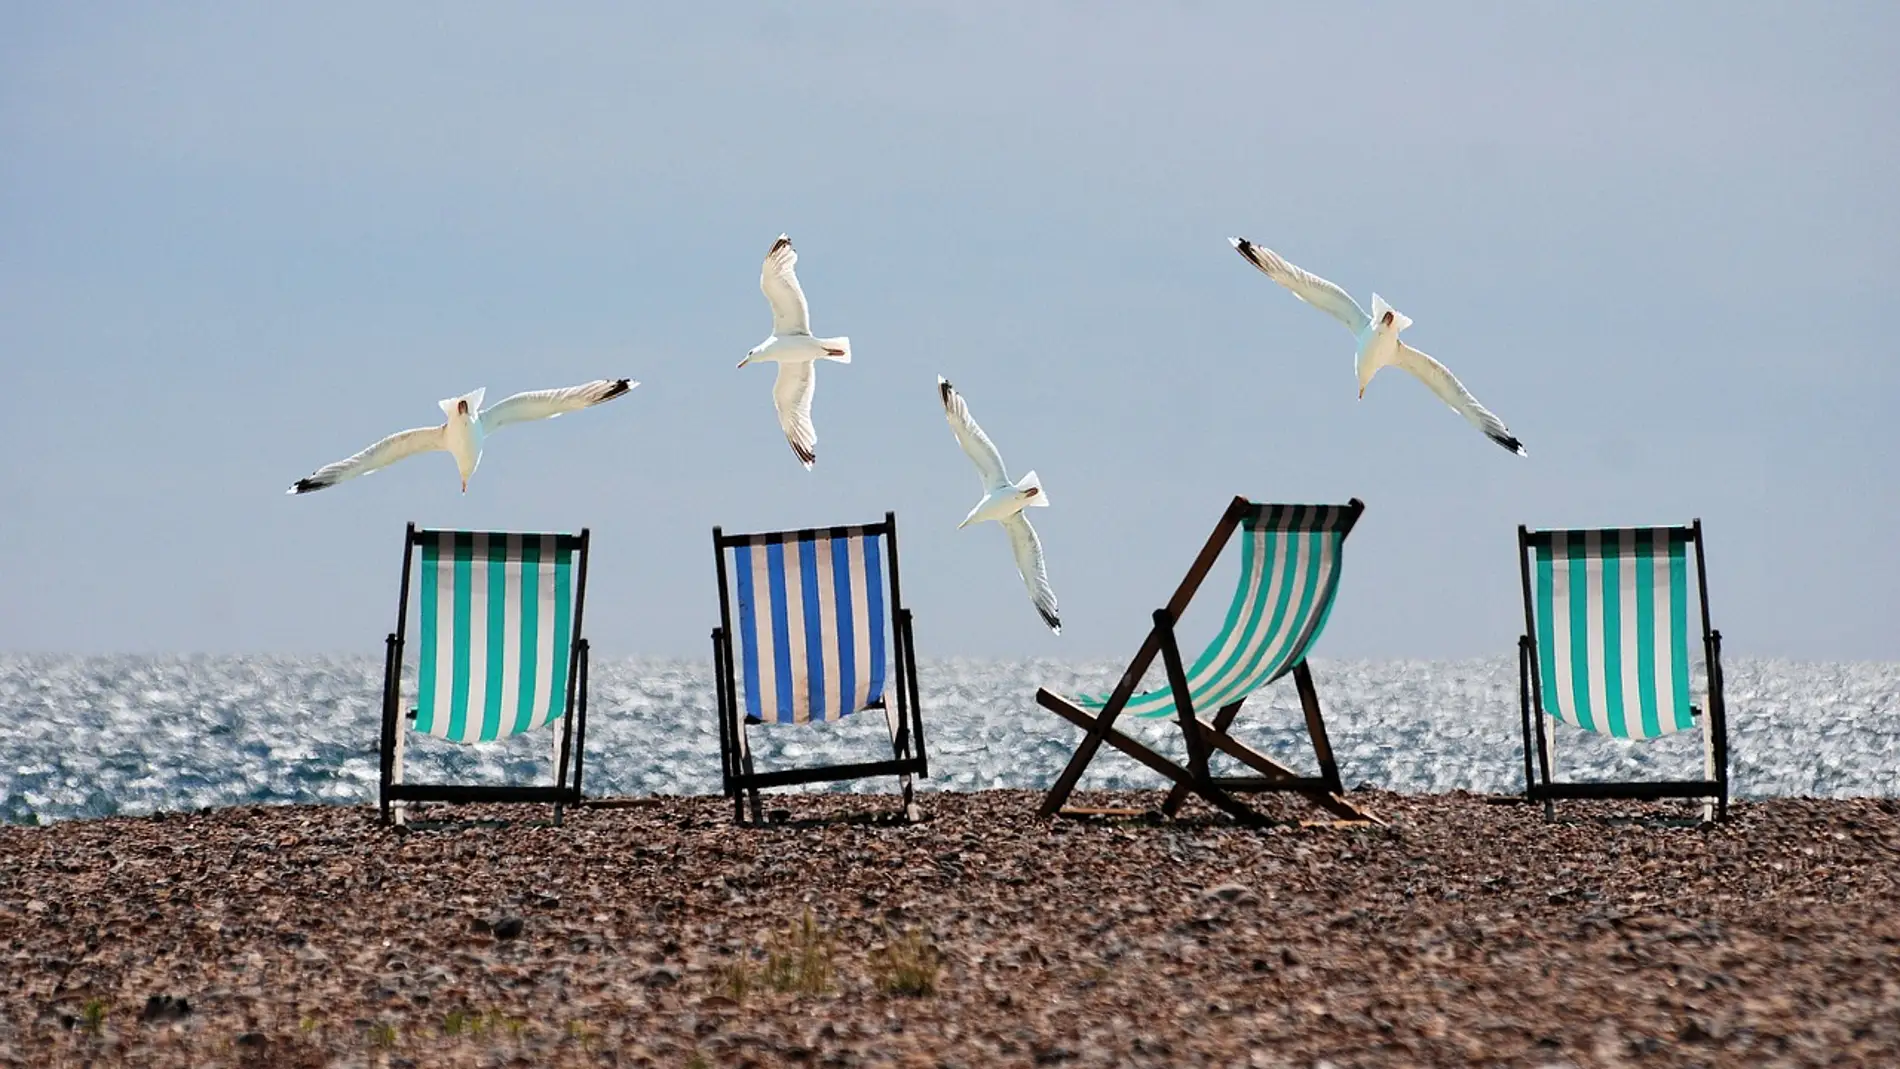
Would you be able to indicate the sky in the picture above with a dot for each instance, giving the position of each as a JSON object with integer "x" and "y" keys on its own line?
{"x": 240, "y": 241}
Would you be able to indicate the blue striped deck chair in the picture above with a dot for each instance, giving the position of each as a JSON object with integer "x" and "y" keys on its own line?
{"x": 821, "y": 634}
{"x": 1606, "y": 650}
{"x": 1290, "y": 558}
{"x": 499, "y": 652}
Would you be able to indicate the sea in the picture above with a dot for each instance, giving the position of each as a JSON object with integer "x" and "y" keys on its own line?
{"x": 86, "y": 737}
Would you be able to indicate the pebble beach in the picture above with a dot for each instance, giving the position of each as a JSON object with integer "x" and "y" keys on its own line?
{"x": 1462, "y": 932}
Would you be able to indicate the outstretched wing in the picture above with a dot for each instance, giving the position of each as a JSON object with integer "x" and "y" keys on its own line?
{"x": 976, "y": 445}
{"x": 791, "y": 395}
{"x": 381, "y": 455}
{"x": 1446, "y": 385}
{"x": 1028, "y": 550}
{"x": 546, "y": 404}
{"x": 1305, "y": 285}
{"x": 790, "y": 314}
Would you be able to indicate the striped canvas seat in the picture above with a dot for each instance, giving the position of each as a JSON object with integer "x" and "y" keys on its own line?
{"x": 1289, "y": 572}
{"x": 498, "y": 652}
{"x": 496, "y": 615}
{"x": 1612, "y": 611}
{"x": 1607, "y": 649}
{"x": 811, "y": 631}
{"x": 811, "y": 626}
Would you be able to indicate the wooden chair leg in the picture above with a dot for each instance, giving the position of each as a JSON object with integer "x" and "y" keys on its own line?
{"x": 900, "y": 749}
{"x": 1134, "y": 748}
{"x": 1222, "y": 720}
{"x": 1316, "y": 726}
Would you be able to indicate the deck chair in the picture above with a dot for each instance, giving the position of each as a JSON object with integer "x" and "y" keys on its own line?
{"x": 1289, "y": 572}
{"x": 809, "y": 610}
{"x": 1606, "y": 650}
{"x": 500, "y": 652}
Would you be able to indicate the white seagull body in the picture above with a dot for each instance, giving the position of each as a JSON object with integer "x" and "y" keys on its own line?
{"x": 462, "y": 435}
{"x": 1004, "y": 501}
{"x": 793, "y": 348}
{"x": 1378, "y": 339}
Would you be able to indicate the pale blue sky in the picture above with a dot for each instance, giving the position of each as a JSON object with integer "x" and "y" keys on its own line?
{"x": 239, "y": 241}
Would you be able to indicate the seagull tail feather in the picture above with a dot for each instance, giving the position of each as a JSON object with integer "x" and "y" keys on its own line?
{"x": 838, "y": 349}
{"x": 1030, "y": 486}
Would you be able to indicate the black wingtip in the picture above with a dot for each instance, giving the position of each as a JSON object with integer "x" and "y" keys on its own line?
{"x": 1245, "y": 248}
{"x": 1054, "y": 621}
{"x": 944, "y": 389}
{"x": 304, "y": 486}
{"x": 783, "y": 242}
{"x": 807, "y": 457}
{"x": 619, "y": 387}
{"x": 1509, "y": 442}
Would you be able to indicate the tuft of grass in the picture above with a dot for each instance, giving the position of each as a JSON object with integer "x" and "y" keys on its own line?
{"x": 309, "y": 1024}
{"x": 737, "y": 979}
{"x": 383, "y": 1036}
{"x": 698, "y": 1061}
{"x": 800, "y": 960}
{"x": 92, "y": 1017}
{"x": 906, "y": 965}
{"x": 455, "y": 1022}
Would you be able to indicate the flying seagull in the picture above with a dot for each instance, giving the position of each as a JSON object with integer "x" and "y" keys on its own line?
{"x": 461, "y": 436}
{"x": 794, "y": 349}
{"x": 1004, "y": 501}
{"x": 1378, "y": 336}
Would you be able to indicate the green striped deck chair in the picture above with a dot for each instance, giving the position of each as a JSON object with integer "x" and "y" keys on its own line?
{"x": 1290, "y": 558}
{"x": 1606, "y": 650}
{"x": 499, "y": 652}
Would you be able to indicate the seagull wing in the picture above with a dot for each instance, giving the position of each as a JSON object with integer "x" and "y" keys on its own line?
{"x": 791, "y": 395}
{"x": 381, "y": 455}
{"x": 546, "y": 404}
{"x": 790, "y": 314}
{"x": 1028, "y": 550}
{"x": 976, "y": 445}
{"x": 1446, "y": 385}
{"x": 1306, "y": 285}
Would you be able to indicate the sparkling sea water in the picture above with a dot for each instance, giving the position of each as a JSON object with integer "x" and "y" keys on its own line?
{"x": 95, "y": 736}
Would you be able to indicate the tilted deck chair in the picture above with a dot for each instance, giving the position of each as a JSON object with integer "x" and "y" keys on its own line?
{"x": 1289, "y": 572}
{"x": 811, "y": 614}
{"x": 500, "y": 652}
{"x": 1606, "y": 650}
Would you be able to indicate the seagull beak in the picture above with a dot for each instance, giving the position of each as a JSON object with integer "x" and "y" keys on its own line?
{"x": 465, "y": 486}
{"x": 747, "y": 360}
{"x": 1362, "y": 393}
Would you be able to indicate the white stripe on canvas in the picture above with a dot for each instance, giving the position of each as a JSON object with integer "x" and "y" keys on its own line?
{"x": 1665, "y": 652}
{"x": 767, "y": 646}
{"x": 860, "y": 622}
{"x": 1632, "y": 681}
{"x": 545, "y": 703}
{"x": 511, "y": 639}
{"x": 1560, "y": 594}
{"x": 444, "y": 634}
{"x": 1593, "y": 622}
{"x": 477, "y": 639}
{"x": 834, "y": 696}
{"x": 794, "y": 636}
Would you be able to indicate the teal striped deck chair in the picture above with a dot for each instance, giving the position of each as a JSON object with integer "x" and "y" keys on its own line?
{"x": 1290, "y": 559}
{"x": 499, "y": 652}
{"x": 1606, "y": 651}
{"x": 812, "y": 630}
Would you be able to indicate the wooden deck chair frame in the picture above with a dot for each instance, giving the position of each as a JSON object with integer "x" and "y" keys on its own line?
{"x": 741, "y": 781}
{"x": 569, "y": 743}
{"x": 1540, "y": 758}
{"x": 1203, "y": 738}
